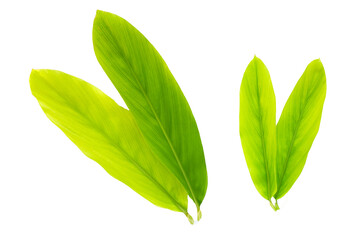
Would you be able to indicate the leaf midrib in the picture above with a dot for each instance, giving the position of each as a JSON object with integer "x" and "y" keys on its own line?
{"x": 291, "y": 146}
{"x": 156, "y": 117}
{"x": 171, "y": 146}
{"x": 262, "y": 135}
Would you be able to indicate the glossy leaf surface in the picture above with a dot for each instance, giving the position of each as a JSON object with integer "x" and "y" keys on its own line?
{"x": 108, "y": 134}
{"x": 258, "y": 126}
{"x": 298, "y": 125}
{"x": 154, "y": 98}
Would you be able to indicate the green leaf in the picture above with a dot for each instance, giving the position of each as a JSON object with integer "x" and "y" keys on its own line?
{"x": 154, "y": 98}
{"x": 258, "y": 126}
{"x": 108, "y": 134}
{"x": 298, "y": 125}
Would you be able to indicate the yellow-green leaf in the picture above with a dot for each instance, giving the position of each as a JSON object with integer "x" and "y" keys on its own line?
{"x": 108, "y": 134}
{"x": 257, "y": 126}
{"x": 298, "y": 125}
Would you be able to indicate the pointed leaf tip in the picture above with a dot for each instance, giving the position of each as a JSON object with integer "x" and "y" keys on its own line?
{"x": 34, "y": 71}
{"x": 33, "y": 76}
{"x": 100, "y": 12}
{"x": 316, "y": 63}
{"x": 257, "y": 60}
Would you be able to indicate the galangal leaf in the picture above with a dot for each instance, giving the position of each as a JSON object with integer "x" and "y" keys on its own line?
{"x": 257, "y": 127}
{"x": 298, "y": 125}
{"x": 108, "y": 134}
{"x": 154, "y": 98}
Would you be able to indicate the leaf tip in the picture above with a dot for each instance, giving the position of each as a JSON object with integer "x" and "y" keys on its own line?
{"x": 316, "y": 65}
{"x": 257, "y": 60}
{"x": 34, "y": 71}
{"x": 99, "y": 12}
{"x": 317, "y": 62}
{"x": 33, "y": 74}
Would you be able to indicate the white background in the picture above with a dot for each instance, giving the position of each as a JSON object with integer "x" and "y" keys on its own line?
{"x": 50, "y": 190}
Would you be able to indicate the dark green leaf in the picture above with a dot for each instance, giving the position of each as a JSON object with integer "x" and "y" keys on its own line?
{"x": 154, "y": 98}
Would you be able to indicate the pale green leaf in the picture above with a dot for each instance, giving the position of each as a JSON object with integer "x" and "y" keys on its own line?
{"x": 108, "y": 134}
{"x": 298, "y": 125}
{"x": 154, "y": 98}
{"x": 258, "y": 126}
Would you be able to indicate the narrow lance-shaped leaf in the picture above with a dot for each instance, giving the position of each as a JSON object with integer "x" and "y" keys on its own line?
{"x": 108, "y": 134}
{"x": 257, "y": 127}
{"x": 298, "y": 125}
{"x": 154, "y": 98}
